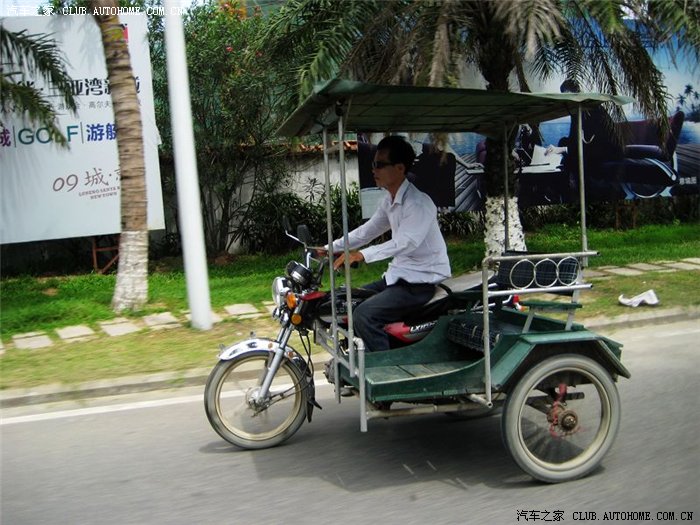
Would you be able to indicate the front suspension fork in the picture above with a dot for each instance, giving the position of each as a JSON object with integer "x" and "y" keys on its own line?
{"x": 273, "y": 367}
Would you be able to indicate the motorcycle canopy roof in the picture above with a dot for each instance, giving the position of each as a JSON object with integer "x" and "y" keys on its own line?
{"x": 381, "y": 108}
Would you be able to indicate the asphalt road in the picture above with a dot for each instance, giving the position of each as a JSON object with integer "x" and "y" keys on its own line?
{"x": 153, "y": 459}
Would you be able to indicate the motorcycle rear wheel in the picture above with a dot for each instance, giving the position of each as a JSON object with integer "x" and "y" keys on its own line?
{"x": 229, "y": 394}
{"x": 561, "y": 418}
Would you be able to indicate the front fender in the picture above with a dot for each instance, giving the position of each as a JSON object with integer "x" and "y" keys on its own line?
{"x": 236, "y": 349}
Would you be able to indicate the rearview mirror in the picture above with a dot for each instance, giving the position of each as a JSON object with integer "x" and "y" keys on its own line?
{"x": 304, "y": 234}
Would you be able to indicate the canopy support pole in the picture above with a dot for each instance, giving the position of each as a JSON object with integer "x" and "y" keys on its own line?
{"x": 581, "y": 184}
{"x": 506, "y": 190}
{"x": 329, "y": 231}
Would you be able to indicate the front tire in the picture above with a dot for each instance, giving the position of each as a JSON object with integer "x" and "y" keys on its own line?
{"x": 561, "y": 418}
{"x": 229, "y": 401}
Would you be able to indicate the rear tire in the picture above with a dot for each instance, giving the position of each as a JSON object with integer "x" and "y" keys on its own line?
{"x": 229, "y": 394}
{"x": 561, "y": 418}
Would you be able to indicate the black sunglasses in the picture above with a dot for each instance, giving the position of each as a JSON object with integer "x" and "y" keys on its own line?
{"x": 379, "y": 164}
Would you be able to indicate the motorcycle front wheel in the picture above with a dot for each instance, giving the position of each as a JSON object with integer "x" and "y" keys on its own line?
{"x": 230, "y": 400}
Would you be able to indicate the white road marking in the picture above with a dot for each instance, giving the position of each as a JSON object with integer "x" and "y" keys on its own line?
{"x": 106, "y": 409}
{"x": 101, "y": 410}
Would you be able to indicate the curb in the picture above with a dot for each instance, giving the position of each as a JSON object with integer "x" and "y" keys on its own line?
{"x": 102, "y": 388}
{"x": 13, "y": 398}
{"x": 653, "y": 316}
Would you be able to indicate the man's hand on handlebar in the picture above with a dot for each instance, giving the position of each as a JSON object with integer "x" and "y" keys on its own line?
{"x": 355, "y": 259}
{"x": 320, "y": 251}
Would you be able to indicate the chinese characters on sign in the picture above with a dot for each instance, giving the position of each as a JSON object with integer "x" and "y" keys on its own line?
{"x": 81, "y": 87}
{"x": 98, "y": 132}
{"x": 97, "y": 184}
{"x": 84, "y": 133}
{"x": 95, "y": 86}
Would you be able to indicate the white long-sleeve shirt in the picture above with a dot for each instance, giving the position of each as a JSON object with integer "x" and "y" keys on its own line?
{"x": 417, "y": 247}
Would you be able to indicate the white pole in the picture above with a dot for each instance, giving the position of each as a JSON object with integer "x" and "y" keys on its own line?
{"x": 190, "y": 212}
{"x": 581, "y": 182}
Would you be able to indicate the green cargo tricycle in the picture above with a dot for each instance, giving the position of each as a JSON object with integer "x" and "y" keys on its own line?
{"x": 470, "y": 352}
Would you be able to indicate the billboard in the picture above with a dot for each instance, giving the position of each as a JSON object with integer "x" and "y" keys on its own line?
{"x": 47, "y": 192}
{"x": 642, "y": 168}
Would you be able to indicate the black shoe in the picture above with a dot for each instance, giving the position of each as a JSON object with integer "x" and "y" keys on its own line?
{"x": 328, "y": 371}
{"x": 347, "y": 391}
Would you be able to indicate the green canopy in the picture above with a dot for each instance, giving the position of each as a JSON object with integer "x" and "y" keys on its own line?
{"x": 379, "y": 108}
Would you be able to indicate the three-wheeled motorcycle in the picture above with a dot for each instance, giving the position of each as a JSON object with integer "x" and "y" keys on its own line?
{"x": 469, "y": 352}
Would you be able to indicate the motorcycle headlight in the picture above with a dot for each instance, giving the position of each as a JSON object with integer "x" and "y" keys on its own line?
{"x": 280, "y": 288}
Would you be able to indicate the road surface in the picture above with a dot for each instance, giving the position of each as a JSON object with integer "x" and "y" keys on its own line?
{"x": 153, "y": 459}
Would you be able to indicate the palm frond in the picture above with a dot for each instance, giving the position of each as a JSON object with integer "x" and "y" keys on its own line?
{"x": 533, "y": 23}
{"x": 32, "y": 104}
{"x": 674, "y": 25}
{"x": 38, "y": 57}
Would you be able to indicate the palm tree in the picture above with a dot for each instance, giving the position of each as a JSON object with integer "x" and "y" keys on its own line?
{"x": 598, "y": 43}
{"x": 36, "y": 57}
{"x": 131, "y": 291}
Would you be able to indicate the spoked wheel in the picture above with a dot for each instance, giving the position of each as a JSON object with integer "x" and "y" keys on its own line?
{"x": 234, "y": 407}
{"x": 561, "y": 418}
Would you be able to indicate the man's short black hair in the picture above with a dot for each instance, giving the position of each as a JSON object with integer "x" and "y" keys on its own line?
{"x": 400, "y": 151}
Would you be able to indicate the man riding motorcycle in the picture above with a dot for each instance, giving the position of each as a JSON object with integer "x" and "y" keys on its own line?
{"x": 418, "y": 249}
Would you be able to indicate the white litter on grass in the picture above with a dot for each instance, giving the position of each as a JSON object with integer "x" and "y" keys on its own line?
{"x": 648, "y": 298}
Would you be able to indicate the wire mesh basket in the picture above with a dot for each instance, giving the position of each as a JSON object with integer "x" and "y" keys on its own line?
{"x": 465, "y": 332}
{"x": 542, "y": 273}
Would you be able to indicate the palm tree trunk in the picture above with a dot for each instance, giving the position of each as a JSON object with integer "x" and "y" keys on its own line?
{"x": 495, "y": 207}
{"x": 496, "y": 62}
{"x": 131, "y": 291}
{"x": 494, "y": 226}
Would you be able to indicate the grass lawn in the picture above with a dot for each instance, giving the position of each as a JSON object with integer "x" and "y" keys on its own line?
{"x": 30, "y": 304}
{"x": 138, "y": 353}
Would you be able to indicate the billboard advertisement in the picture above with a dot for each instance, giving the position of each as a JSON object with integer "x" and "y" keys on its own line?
{"x": 643, "y": 166}
{"x": 48, "y": 192}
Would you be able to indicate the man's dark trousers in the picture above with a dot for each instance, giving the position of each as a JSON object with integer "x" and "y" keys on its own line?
{"x": 389, "y": 305}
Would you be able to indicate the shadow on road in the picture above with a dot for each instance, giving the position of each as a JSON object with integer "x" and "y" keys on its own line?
{"x": 393, "y": 453}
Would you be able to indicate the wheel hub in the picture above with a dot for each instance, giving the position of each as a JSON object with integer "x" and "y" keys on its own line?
{"x": 252, "y": 397}
{"x": 568, "y": 421}
{"x": 562, "y": 422}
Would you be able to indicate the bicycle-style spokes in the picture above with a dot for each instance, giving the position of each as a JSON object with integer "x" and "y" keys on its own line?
{"x": 562, "y": 418}
{"x": 242, "y": 415}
